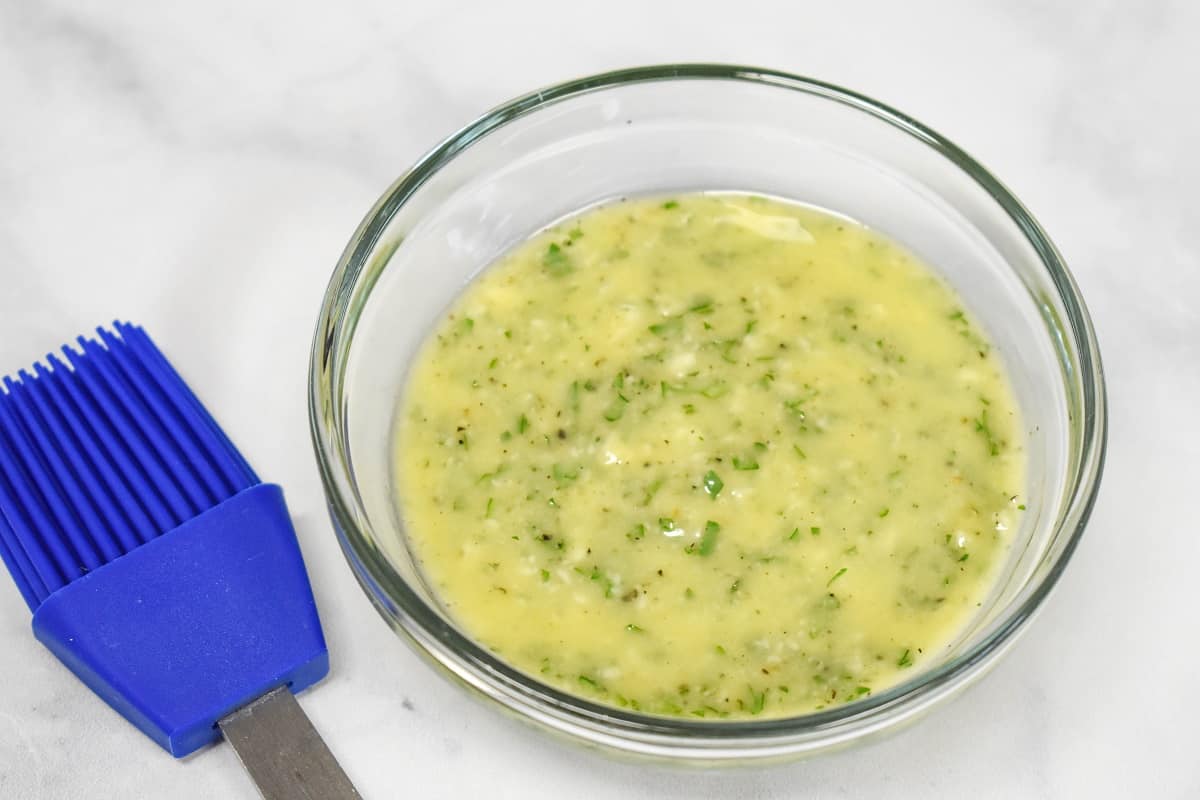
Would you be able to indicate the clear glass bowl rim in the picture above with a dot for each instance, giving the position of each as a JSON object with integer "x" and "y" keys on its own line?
{"x": 450, "y": 648}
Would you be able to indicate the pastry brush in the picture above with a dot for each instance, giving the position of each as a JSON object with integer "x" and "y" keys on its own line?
{"x": 159, "y": 568}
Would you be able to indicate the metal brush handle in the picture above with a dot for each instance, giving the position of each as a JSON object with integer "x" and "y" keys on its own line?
{"x": 282, "y": 751}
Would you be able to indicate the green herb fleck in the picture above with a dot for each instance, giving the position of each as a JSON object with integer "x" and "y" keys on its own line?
{"x": 492, "y": 364}
{"x": 669, "y": 326}
{"x": 636, "y": 533}
{"x": 837, "y": 575}
{"x": 597, "y": 576}
{"x": 883, "y": 512}
{"x": 556, "y": 261}
{"x": 745, "y": 465}
{"x": 488, "y": 512}
{"x": 981, "y": 426}
{"x": 725, "y": 349}
{"x": 905, "y": 659}
{"x": 792, "y": 536}
{"x": 666, "y": 523}
{"x": 796, "y": 409}
{"x": 589, "y": 682}
{"x": 713, "y": 484}
{"x": 522, "y": 424}
{"x": 670, "y": 204}
{"x": 545, "y": 575}
{"x": 757, "y": 700}
{"x": 563, "y": 476}
{"x": 708, "y": 541}
{"x": 487, "y": 476}
{"x": 634, "y": 628}
{"x": 616, "y": 409}
{"x": 814, "y": 530}
{"x": 651, "y": 490}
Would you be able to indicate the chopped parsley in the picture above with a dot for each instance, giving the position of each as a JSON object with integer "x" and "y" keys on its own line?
{"x": 708, "y": 540}
{"x": 556, "y": 261}
{"x": 668, "y": 327}
{"x": 564, "y": 476}
{"x": 616, "y": 409}
{"x": 982, "y": 427}
{"x": 651, "y": 490}
{"x": 758, "y": 701}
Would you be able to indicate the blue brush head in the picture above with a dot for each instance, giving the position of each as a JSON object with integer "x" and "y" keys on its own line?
{"x": 158, "y": 566}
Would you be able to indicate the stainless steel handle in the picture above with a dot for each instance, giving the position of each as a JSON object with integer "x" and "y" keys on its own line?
{"x": 282, "y": 751}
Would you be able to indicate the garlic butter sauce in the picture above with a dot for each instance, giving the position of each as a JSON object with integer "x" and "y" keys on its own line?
{"x": 712, "y": 455}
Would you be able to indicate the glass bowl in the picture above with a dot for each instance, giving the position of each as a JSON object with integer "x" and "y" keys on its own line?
{"x": 658, "y": 130}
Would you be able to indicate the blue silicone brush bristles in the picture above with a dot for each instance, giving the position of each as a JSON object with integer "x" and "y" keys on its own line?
{"x": 101, "y": 457}
{"x": 158, "y": 566}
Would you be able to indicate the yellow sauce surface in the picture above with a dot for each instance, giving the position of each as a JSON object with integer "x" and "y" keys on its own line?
{"x": 714, "y": 455}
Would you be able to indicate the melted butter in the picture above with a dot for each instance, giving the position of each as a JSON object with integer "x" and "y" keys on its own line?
{"x": 719, "y": 456}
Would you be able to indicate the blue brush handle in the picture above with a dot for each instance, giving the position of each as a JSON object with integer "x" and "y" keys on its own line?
{"x": 194, "y": 624}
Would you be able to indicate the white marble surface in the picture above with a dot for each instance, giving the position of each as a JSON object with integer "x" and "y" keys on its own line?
{"x": 198, "y": 167}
